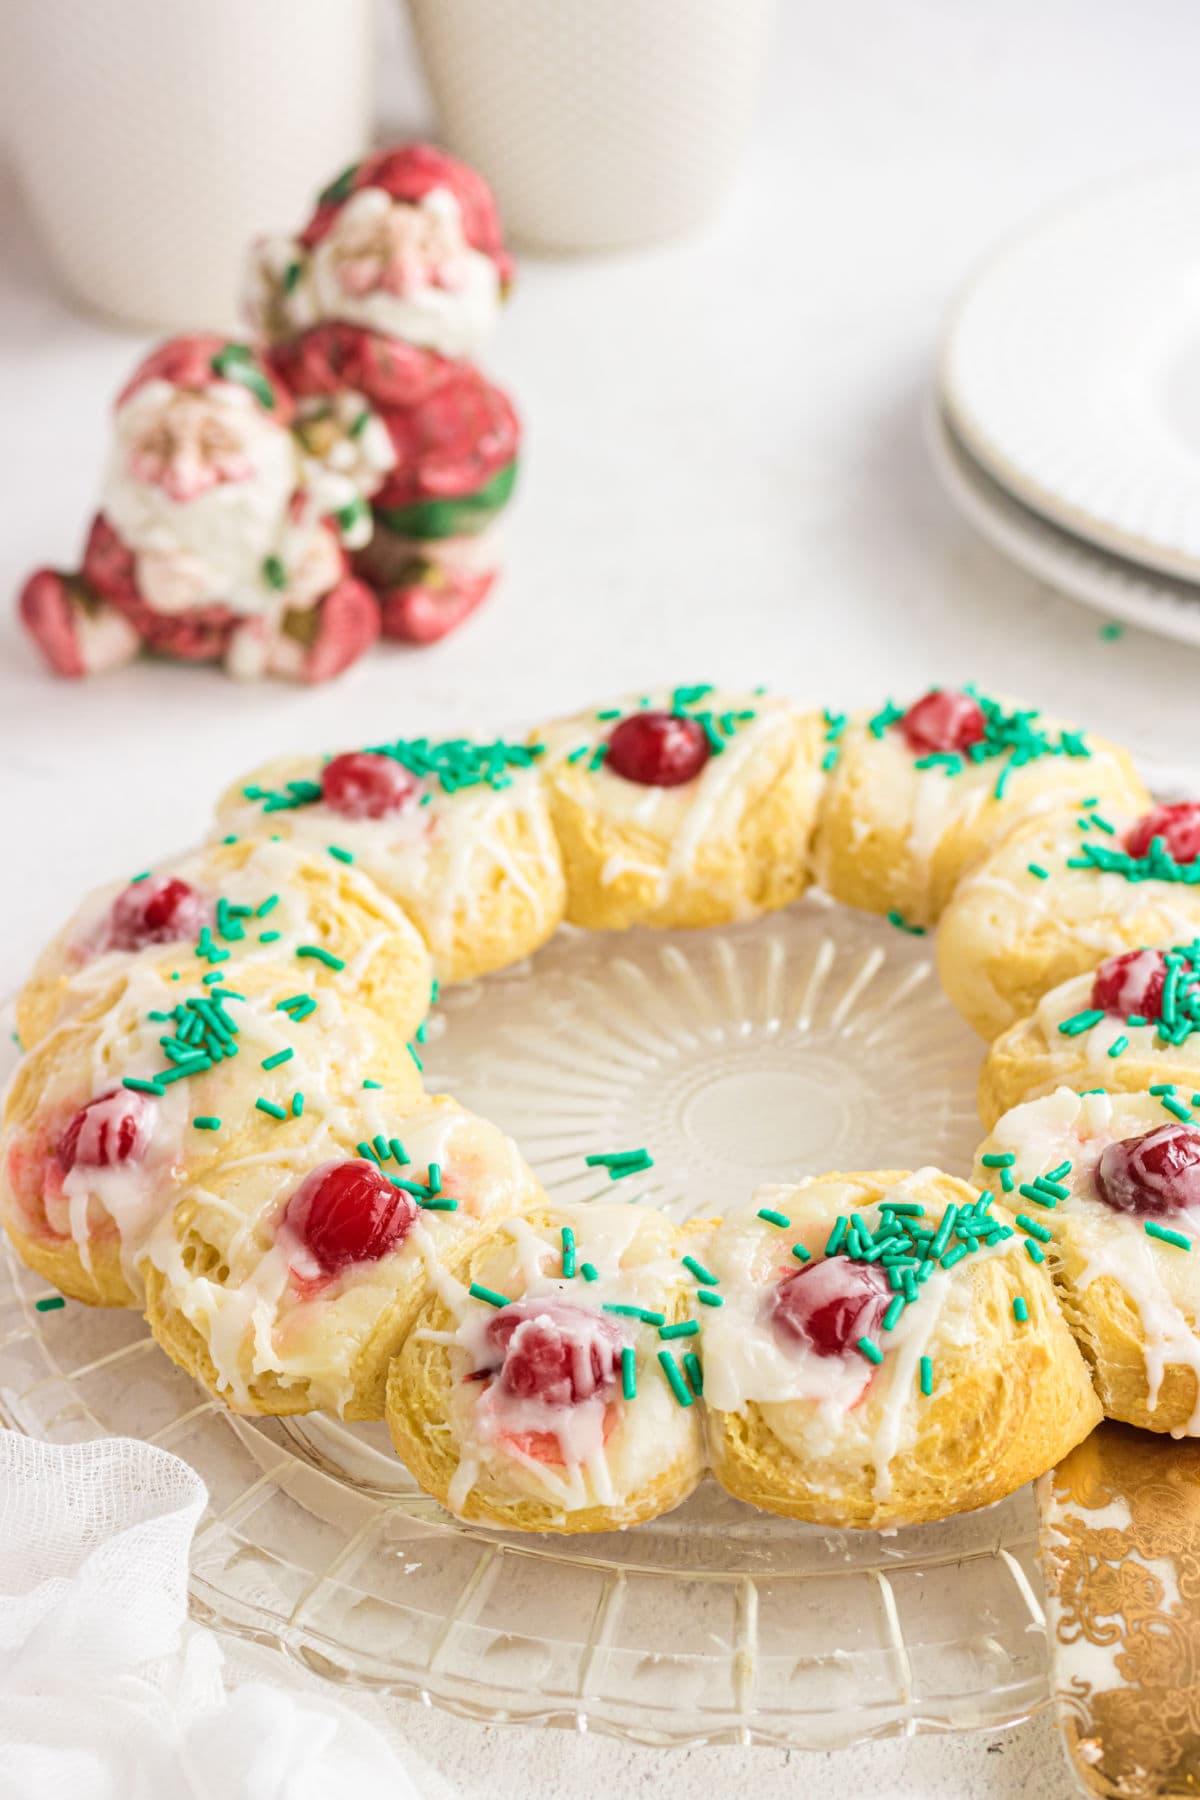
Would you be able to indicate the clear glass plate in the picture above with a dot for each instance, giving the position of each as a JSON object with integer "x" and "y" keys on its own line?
{"x": 814, "y": 1039}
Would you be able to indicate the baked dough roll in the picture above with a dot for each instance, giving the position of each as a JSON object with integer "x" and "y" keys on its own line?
{"x": 687, "y": 807}
{"x": 456, "y": 833}
{"x": 917, "y": 795}
{"x": 1059, "y": 896}
{"x": 229, "y": 906}
{"x": 851, "y": 1388}
{"x": 1130, "y": 1025}
{"x": 108, "y": 1119}
{"x": 550, "y": 1383}
{"x": 288, "y": 1285}
{"x": 1111, "y": 1184}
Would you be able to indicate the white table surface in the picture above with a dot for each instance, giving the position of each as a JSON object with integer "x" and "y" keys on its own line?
{"x": 724, "y": 479}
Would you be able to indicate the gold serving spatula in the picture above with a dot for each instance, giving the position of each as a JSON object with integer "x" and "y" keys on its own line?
{"x": 1120, "y": 1520}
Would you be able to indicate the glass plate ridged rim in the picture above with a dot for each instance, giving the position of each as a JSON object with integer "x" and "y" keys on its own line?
{"x": 811, "y": 1039}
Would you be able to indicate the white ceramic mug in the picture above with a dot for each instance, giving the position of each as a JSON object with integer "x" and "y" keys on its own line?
{"x": 598, "y": 122}
{"x": 155, "y": 138}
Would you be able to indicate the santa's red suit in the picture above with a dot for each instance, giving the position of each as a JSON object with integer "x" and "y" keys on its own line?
{"x": 223, "y": 527}
{"x": 389, "y": 288}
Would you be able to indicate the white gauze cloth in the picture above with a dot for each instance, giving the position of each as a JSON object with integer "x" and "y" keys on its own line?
{"x": 107, "y": 1692}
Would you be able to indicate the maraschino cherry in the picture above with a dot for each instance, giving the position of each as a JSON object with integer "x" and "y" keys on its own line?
{"x": 364, "y": 785}
{"x": 657, "y": 749}
{"x": 1178, "y": 826}
{"x": 159, "y": 910}
{"x": 555, "y": 1352}
{"x": 1131, "y": 983}
{"x": 827, "y": 1306}
{"x": 113, "y": 1128}
{"x": 944, "y": 720}
{"x": 349, "y": 1212}
{"x": 1151, "y": 1175}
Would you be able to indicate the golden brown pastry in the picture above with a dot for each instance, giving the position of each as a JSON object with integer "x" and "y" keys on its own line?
{"x": 853, "y": 1388}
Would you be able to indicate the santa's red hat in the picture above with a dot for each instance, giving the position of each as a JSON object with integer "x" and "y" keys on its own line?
{"x": 204, "y": 357}
{"x": 409, "y": 173}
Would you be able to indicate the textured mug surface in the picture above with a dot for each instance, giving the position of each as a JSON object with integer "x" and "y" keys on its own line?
{"x": 155, "y": 141}
{"x": 597, "y": 125}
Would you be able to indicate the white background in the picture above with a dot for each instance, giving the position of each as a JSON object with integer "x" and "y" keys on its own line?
{"x": 724, "y": 480}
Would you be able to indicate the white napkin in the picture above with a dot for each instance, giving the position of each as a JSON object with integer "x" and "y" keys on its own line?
{"x": 107, "y": 1692}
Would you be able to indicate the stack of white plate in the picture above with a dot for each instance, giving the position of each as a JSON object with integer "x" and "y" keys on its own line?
{"x": 1067, "y": 421}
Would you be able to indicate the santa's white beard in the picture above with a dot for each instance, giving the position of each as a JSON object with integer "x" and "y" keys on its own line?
{"x": 453, "y": 321}
{"x": 209, "y": 550}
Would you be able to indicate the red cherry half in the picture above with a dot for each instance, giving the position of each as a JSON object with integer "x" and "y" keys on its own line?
{"x": 1178, "y": 827}
{"x": 657, "y": 749}
{"x": 555, "y": 1352}
{"x": 1131, "y": 983}
{"x": 364, "y": 785}
{"x": 943, "y": 720}
{"x": 349, "y": 1212}
{"x": 827, "y": 1306}
{"x": 114, "y": 1128}
{"x": 160, "y": 910}
{"x": 1151, "y": 1175}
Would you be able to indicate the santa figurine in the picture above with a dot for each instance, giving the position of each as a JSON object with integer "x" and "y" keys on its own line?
{"x": 225, "y": 521}
{"x": 387, "y": 293}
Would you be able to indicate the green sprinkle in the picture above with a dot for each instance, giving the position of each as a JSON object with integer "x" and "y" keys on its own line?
{"x": 382, "y": 1148}
{"x": 367, "y": 1149}
{"x": 1037, "y": 869}
{"x": 685, "y": 1328}
{"x": 269, "y": 1107}
{"x": 320, "y": 954}
{"x": 590, "y": 1272}
{"x": 901, "y": 924}
{"x": 269, "y": 937}
{"x": 272, "y": 900}
{"x": 1177, "y": 1107}
{"x": 1020, "y": 1309}
{"x": 372, "y": 1084}
{"x": 1033, "y": 1227}
{"x": 998, "y": 1159}
{"x": 628, "y": 1371}
{"x": 280, "y": 1056}
{"x": 774, "y": 1218}
{"x": 438, "y": 1203}
{"x": 297, "y": 1104}
{"x": 707, "y": 1297}
{"x": 51, "y": 1303}
{"x": 871, "y": 1351}
{"x": 568, "y": 1253}
{"x": 695, "y": 1373}
{"x": 1110, "y": 632}
{"x": 1081, "y": 1021}
{"x": 1155, "y": 1230}
{"x": 1118, "y": 1045}
{"x": 926, "y": 1376}
{"x": 1162, "y": 1087}
{"x": 342, "y": 856}
{"x": 477, "y": 1291}
{"x": 207, "y": 1122}
{"x": 700, "y": 1272}
{"x": 139, "y": 1086}
{"x": 274, "y": 573}
{"x": 675, "y": 1381}
{"x": 800, "y": 1253}
{"x": 644, "y": 1313}
{"x": 1034, "y": 1251}
{"x": 895, "y": 1308}
{"x": 144, "y": 876}
{"x": 398, "y": 1151}
{"x": 837, "y": 1237}
{"x": 435, "y": 1177}
{"x": 412, "y": 1051}
{"x": 1029, "y": 1191}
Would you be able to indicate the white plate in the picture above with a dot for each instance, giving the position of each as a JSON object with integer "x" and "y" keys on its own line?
{"x": 1121, "y": 590}
{"x": 1071, "y": 369}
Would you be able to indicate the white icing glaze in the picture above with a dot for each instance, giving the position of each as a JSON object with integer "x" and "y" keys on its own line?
{"x": 610, "y": 1448}
{"x": 684, "y": 820}
{"x": 441, "y": 860}
{"x": 1162, "y": 1281}
{"x": 835, "y": 1414}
